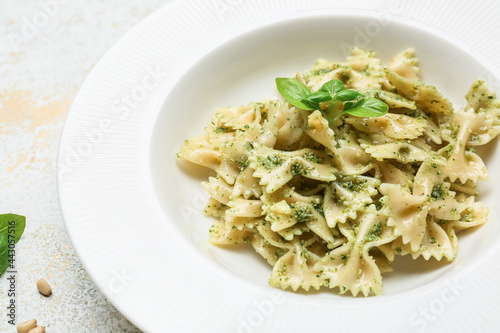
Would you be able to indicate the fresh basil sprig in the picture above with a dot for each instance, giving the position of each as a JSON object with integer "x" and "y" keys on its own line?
{"x": 11, "y": 229}
{"x": 353, "y": 102}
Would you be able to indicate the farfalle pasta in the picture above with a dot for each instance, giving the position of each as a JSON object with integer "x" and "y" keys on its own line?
{"x": 332, "y": 203}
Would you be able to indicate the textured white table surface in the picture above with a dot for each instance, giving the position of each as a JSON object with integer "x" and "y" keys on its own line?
{"x": 47, "y": 47}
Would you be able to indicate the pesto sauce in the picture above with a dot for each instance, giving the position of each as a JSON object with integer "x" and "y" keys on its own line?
{"x": 298, "y": 169}
{"x": 437, "y": 192}
{"x": 468, "y": 215}
{"x": 353, "y": 185}
{"x": 475, "y": 138}
{"x": 270, "y": 162}
{"x": 374, "y": 232}
{"x": 318, "y": 207}
{"x": 320, "y": 71}
{"x": 303, "y": 214}
{"x": 249, "y": 145}
{"x": 244, "y": 162}
{"x": 221, "y": 129}
{"x": 312, "y": 157}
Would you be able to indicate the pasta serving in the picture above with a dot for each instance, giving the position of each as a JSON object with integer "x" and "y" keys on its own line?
{"x": 331, "y": 202}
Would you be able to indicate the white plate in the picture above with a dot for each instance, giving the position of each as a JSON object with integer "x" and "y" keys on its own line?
{"x": 133, "y": 212}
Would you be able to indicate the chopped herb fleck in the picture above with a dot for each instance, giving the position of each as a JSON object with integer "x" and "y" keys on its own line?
{"x": 344, "y": 77}
{"x": 467, "y": 215}
{"x": 321, "y": 71}
{"x": 312, "y": 157}
{"x": 352, "y": 185}
{"x": 221, "y": 129}
{"x": 283, "y": 269}
{"x": 318, "y": 207}
{"x": 298, "y": 169}
{"x": 437, "y": 192}
{"x": 270, "y": 162}
{"x": 244, "y": 162}
{"x": 249, "y": 145}
{"x": 303, "y": 214}
{"x": 374, "y": 232}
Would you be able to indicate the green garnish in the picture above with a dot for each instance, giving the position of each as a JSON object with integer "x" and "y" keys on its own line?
{"x": 270, "y": 162}
{"x": 244, "y": 162}
{"x": 312, "y": 157}
{"x": 374, "y": 232}
{"x": 221, "y": 129}
{"x": 333, "y": 91}
{"x": 303, "y": 214}
{"x": 318, "y": 207}
{"x": 298, "y": 169}
{"x": 437, "y": 192}
{"x": 293, "y": 91}
{"x": 249, "y": 145}
{"x": 11, "y": 229}
{"x": 321, "y": 71}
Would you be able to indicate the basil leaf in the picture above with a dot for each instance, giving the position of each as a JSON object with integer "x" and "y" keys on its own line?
{"x": 348, "y": 95}
{"x": 369, "y": 107}
{"x": 4, "y": 244}
{"x": 4, "y": 253}
{"x": 315, "y": 98}
{"x": 332, "y": 87}
{"x": 348, "y": 106}
{"x": 294, "y": 91}
{"x": 4, "y": 258}
{"x": 4, "y": 264}
{"x": 10, "y": 224}
{"x": 19, "y": 225}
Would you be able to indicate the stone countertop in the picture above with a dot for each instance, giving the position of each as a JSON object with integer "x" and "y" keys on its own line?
{"x": 47, "y": 47}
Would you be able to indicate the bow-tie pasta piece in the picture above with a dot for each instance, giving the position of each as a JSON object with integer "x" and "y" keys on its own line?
{"x": 425, "y": 96}
{"x": 350, "y": 266}
{"x": 406, "y": 65}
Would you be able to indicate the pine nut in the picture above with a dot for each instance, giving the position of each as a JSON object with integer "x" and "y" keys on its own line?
{"x": 44, "y": 287}
{"x": 26, "y": 326}
{"x": 39, "y": 329}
